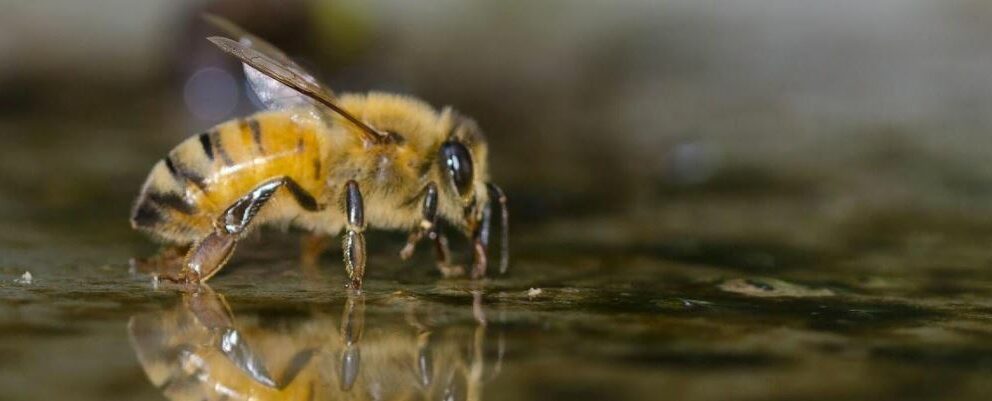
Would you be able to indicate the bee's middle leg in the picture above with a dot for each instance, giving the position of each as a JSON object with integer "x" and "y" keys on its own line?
{"x": 354, "y": 237}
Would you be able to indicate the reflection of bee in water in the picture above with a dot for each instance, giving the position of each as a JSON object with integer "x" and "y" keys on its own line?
{"x": 322, "y": 163}
{"x": 199, "y": 352}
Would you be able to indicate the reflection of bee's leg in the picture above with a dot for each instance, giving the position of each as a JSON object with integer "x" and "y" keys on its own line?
{"x": 213, "y": 313}
{"x": 167, "y": 264}
{"x": 425, "y": 359}
{"x": 209, "y": 307}
{"x": 424, "y": 363}
{"x": 352, "y": 326}
{"x": 354, "y": 238}
{"x": 208, "y": 255}
{"x": 478, "y": 361}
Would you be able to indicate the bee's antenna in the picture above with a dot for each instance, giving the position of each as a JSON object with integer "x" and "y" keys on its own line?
{"x": 504, "y": 216}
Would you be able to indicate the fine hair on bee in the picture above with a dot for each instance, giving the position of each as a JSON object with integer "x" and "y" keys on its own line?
{"x": 330, "y": 164}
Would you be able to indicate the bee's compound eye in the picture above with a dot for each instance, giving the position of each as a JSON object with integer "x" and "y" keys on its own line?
{"x": 459, "y": 164}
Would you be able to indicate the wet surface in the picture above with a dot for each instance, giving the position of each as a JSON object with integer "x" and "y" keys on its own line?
{"x": 600, "y": 306}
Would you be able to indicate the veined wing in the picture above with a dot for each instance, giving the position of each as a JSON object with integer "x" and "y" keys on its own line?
{"x": 273, "y": 94}
{"x": 294, "y": 78}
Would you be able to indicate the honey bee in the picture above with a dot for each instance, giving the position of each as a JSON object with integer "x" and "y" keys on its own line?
{"x": 321, "y": 162}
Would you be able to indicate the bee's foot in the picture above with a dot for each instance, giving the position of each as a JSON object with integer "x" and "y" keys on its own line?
{"x": 479, "y": 262}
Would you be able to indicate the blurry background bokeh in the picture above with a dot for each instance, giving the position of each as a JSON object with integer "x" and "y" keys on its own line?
{"x": 632, "y": 107}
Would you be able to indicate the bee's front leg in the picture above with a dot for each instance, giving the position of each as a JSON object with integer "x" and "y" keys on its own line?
{"x": 443, "y": 252}
{"x": 354, "y": 238}
{"x": 480, "y": 243}
{"x": 428, "y": 222}
{"x": 480, "y": 233}
{"x": 428, "y": 227}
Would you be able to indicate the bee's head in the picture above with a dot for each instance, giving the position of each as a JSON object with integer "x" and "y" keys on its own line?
{"x": 466, "y": 195}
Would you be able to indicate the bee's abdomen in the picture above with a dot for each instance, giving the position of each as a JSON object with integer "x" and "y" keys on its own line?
{"x": 206, "y": 173}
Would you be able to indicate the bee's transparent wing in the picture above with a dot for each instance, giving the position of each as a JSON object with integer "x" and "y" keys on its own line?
{"x": 235, "y": 31}
{"x": 273, "y": 94}
{"x": 293, "y": 77}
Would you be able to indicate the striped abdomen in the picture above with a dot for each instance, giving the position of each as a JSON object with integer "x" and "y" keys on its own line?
{"x": 188, "y": 189}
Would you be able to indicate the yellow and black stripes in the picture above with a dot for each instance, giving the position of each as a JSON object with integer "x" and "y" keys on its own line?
{"x": 172, "y": 201}
{"x": 163, "y": 205}
{"x": 252, "y": 125}
{"x": 207, "y": 144}
{"x": 204, "y": 175}
{"x": 216, "y": 144}
{"x": 182, "y": 173}
{"x": 145, "y": 214}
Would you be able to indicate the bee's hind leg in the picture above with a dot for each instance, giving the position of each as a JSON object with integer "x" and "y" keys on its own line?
{"x": 208, "y": 255}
